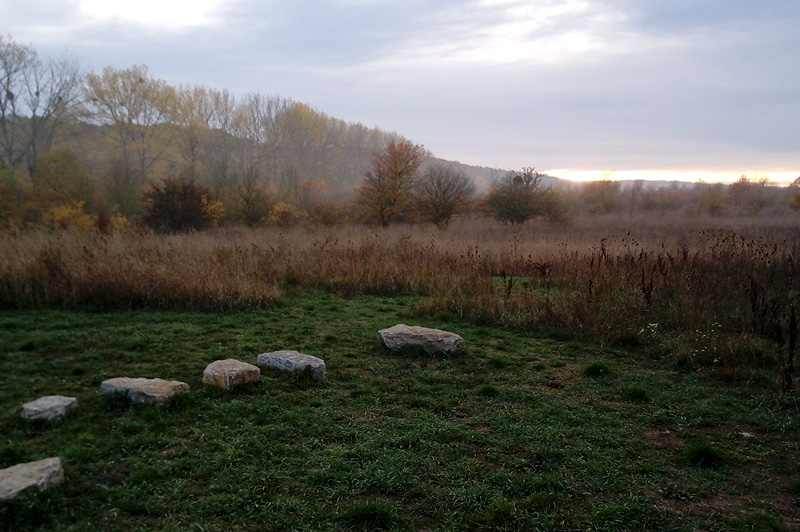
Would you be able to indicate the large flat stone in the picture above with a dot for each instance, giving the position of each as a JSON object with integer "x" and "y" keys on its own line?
{"x": 230, "y": 372}
{"x": 294, "y": 361}
{"x": 48, "y": 407}
{"x": 156, "y": 392}
{"x": 402, "y": 336}
{"x": 21, "y": 478}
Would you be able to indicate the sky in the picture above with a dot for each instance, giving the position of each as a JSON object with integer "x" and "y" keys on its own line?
{"x": 581, "y": 89}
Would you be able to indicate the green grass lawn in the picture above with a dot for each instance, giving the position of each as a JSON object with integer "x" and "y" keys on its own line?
{"x": 516, "y": 433}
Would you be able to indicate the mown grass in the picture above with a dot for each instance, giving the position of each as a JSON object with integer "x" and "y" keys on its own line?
{"x": 520, "y": 432}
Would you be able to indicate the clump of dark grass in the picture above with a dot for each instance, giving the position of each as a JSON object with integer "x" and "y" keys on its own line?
{"x": 372, "y": 515}
{"x": 488, "y": 390}
{"x": 703, "y": 454}
{"x": 544, "y": 500}
{"x": 498, "y": 361}
{"x": 636, "y": 394}
{"x": 501, "y": 514}
{"x": 596, "y": 369}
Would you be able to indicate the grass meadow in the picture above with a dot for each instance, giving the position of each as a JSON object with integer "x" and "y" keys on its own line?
{"x": 620, "y": 374}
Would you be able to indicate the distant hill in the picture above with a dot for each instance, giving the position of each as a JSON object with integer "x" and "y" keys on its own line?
{"x": 484, "y": 175}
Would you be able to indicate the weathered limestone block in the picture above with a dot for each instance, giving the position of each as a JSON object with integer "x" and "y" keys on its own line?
{"x": 402, "y": 336}
{"x": 156, "y": 392}
{"x": 230, "y": 372}
{"x": 39, "y": 475}
{"x": 294, "y": 361}
{"x": 48, "y": 407}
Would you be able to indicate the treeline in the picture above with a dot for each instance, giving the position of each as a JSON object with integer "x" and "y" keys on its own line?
{"x": 121, "y": 146}
{"x": 744, "y": 197}
{"x": 101, "y": 139}
{"x": 516, "y": 196}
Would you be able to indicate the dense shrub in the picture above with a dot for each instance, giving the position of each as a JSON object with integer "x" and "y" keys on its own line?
{"x": 68, "y": 216}
{"x": 326, "y": 213}
{"x": 177, "y": 204}
{"x": 285, "y": 215}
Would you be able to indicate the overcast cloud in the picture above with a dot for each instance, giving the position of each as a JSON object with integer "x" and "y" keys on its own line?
{"x": 684, "y": 85}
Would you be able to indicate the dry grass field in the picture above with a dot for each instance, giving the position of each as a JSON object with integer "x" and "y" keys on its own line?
{"x": 715, "y": 292}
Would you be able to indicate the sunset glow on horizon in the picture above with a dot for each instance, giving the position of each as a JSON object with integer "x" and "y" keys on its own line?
{"x": 781, "y": 177}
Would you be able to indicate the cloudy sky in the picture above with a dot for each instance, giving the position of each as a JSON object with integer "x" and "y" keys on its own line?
{"x": 647, "y": 88}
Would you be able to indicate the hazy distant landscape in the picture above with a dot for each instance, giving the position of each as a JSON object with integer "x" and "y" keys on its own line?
{"x": 78, "y": 146}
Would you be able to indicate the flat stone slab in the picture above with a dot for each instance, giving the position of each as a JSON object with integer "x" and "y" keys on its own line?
{"x": 21, "y": 478}
{"x": 294, "y": 361}
{"x": 402, "y": 336}
{"x": 230, "y": 372}
{"x": 48, "y": 407}
{"x": 156, "y": 392}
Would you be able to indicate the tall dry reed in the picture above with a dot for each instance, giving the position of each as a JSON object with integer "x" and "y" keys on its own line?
{"x": 619, "y": 281}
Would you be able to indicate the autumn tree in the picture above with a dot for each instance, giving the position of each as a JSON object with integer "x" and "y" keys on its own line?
{"x": 255, "y": 127}
{"x": 131, "y": 105}
{"x": 216, "y": 150}
{"x": 443, "y": 192}
{"x": 794, "y": 195}
{"x": 602, "y": 197}
{"x": 385, "y": 193}
{"x": 746, "y": 196}
{"x": 302, "y": 140}
{"x": 556, "y": 205}
{"x": 192, "y": 113}
{"x": 253, "y": 203}
{"x": 713, "y": 200}
{"x": 297, "y": 189}
{"x": 663, "y": 199}
{"x": 514, "y": 198}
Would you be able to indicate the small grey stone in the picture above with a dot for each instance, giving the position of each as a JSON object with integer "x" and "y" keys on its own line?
{"x": 230, "y": 372}
{"x": 402, "y": 336}
{"x": 294, "y": 361}
{"x": 48, "y": 407}
{"x": 39, "y": 475}
{"x": 156, "y": 392}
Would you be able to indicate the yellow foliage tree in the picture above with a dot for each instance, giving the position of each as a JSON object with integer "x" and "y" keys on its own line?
{"x": 68, "y": 216}
{"x": 134, "y": 107}
{"x": 213, "y": 210}
{"x": 284, "y": 215}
